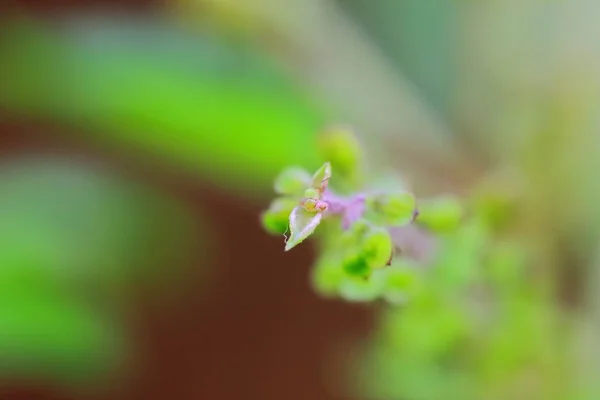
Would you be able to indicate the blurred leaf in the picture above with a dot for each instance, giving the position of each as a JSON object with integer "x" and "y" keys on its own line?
{"x": 50, "y": 338}
{"x": 72, "y": 239}
{"x": 80, "y": 224}
{"x": 211, "y": 105}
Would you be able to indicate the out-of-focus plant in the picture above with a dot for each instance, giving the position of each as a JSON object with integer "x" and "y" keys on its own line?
{"x": 204, "y": 102}
{"x": 477, "y": 326}
{"x": 74, "y": 241}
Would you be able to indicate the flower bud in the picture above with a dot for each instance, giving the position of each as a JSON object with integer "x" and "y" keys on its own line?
{"x": 377, "y": 248}
{"x": 441, "y": 215}
{"x": 356, "y": 264}
{"x": 390, "y": 209}
{"x": 292, "y": 181}
{"x": 362, "y": 290}
{"x": 340, "y": 146}
{"x": 276, "y": 219}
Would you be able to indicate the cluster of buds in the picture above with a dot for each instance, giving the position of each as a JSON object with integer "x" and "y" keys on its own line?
{"x": 371, "y": 238}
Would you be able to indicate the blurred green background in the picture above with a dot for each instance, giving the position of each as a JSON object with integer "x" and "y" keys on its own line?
{"x": 139, "y": 141}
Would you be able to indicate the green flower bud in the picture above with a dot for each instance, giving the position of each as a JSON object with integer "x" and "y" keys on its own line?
{"x": 393, "y": 209}
{"x": 441, "y": 215}
{"x": 354, "y": 235}
{"x": 356, "y": 264}
{"x": 361, "y": 289}
{"x": 328, "y": 275}
{"x": 366, "y": 247}
{"x": 292, "y": 181}
{"x": 377, "y": 248}
{"x": 340, "y": 146}
{"x": 276, "y": 219}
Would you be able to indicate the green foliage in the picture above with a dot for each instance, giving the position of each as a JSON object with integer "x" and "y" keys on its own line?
{"x": 208, "y": 104}
{"x": 49, "y": 337}
{"x": 463, "y": 323}
{"x": 73, "y": 239}
{"x": 472, "y": 327}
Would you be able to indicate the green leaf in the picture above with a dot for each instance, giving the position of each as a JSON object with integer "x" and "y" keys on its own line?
{"x": 390, "y": 209}
{"x": 302, "y": 225}
{"x": 197, "y": 100}
{"x": 321, "y": 177}
{"x": 276, "y": 219}
{"x": 49, "y": 338}
{"x": 82, "y": 225}
{"x": 292, "y": 181}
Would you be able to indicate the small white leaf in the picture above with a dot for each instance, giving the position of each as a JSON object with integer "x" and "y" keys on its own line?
{"x": 302, "y": 225}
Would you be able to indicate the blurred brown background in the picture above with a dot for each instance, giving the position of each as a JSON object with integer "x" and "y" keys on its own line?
{"x": 257, "y": 332}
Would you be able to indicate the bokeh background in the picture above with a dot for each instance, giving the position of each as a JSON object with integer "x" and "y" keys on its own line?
{"x": 139, "y": 141}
